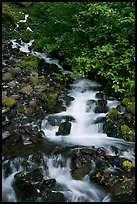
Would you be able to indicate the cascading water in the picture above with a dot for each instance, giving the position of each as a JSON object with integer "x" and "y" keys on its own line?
{"x": 84, "y": 132}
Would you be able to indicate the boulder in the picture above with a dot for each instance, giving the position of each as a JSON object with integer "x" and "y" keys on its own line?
{"x": 64, "y": 128}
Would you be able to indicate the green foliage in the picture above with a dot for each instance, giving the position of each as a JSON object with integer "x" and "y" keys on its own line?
{"x": 24, "y": 173}
{"x": 101, "y": 42}
{"x": 95, "y": 39}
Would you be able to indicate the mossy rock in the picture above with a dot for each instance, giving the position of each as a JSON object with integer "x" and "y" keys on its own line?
{"x": 64, "y": 128}
{"x": 79, "y": 173}
{"x": 9, "y": 102}
{"x": 29, "y": 63}
{"x": 25, "y": 4}
{"x": 7, "y": 15}
{"x": 49, "y": 97}
{"x": 131, "y": 107}
{"x": 127, "y": 133}
{"x": 129, "y": 104}
{"x": 113, "y": 115}
{"x": 125, "y": 101}
{"x": 127, "y": 165}
{"x": 6, "y": 77}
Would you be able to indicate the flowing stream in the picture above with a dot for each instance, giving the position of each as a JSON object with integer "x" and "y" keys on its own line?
{"x": 84, "y": 132}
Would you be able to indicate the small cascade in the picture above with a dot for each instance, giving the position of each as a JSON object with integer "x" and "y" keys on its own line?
{"x": 84, "y": 131}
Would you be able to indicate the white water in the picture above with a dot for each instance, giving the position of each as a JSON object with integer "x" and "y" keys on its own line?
{"x": 8, "y": 194}
{"x": 25, "y": 47}
{"x": 74, "y": 190}
{"x": 83, "y": 130}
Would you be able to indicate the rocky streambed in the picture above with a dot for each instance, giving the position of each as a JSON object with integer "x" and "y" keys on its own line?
{"x": 62, "y": 140}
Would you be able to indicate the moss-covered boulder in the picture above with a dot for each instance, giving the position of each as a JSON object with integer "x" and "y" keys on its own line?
{"x": 64, "y": 128}
{"x": 25, "y": 4}
{"x": 129, "y": 104}
{"x": 79, "y": 173}
{"x": 127, "y": 133}
{"x": 9, "y": 102}
{"x": 113, "y": 115}
{"x": 29, "y": 63}
{"x": 7, "y": 14}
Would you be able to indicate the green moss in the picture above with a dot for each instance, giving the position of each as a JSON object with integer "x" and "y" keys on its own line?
{"x": 42, "y": 79}
{"x": 129, "y": 104}
{"x": 127, "y": 133}
{"x": 9, "y": 102}
{"x": 126, "y": 101}
{"x": 7, "y": 15}
{"x": 25, "y": 3}
{"x": 29, "y": 63}
{"x": 131, "y": 107}
{"x": 127, "y": 164}
{"x": 50, "y": 97}
{"x": 112, "y": 115}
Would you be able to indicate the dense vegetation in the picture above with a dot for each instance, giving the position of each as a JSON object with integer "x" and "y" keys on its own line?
{"x": 96, "y": 39}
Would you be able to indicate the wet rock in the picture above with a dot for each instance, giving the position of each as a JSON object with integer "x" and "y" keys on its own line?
{"x": 122, "y": 188}
{"x": 82, "y": 162}
{"x": 7, "y": 168}
{"x": 111, "y": 129}
{"x": 25, "y": 4}
{"x": 16, "y": 71}
{"x": 121, "y": 108}
{"x": 34, "y": 77}
{"x": 101, "y": 102}
{"x": 68, "y": 100}
{"x": 4, "y": 94}
{"x": 54, "y": 196}
{"x": 40, "y": 88}
{"x": 27, "y": 141}
{"x": 37, "y": 158}
{"x": 5, "y": 135}
{"x": 16, "y": 96}
{"x": 25, "y": 184}
{"x": 90, "y": 103}
{"x": 64, "y": 128}
{"x": 100, "y": 95}
{"x": 5, "y": 121}
{"x": 99, "y": 120}
{"x": 7, "y": 77}
{"x": 56, "y": 120}
{"x": 5, "y": 110}
{"x": 81, "y": 171}
{"x": 100, "y": 152}
{"x": 101, "y": 109}
{"x": 49, "y": 182}
{"x": 47, "y": 68}
{"x": 28, "y": 90}
{"x": 12, "y": 84}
